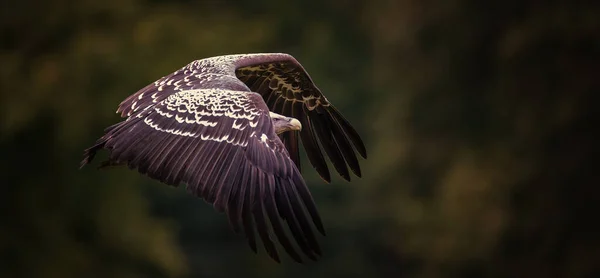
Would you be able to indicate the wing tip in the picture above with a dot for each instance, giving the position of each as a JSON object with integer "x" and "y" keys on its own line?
{"x": 84, "y": 162}
{"x": 90, "y": 153}
{"x": 87, "y": 159}
{"x": 275, "y": 257}
{"x": 253, "y": 246}
{"x": 357, "y": 171}
{"x": 321, "y": 230}
{"x": 325, "y": 176}
{"x": 362, "y": 150}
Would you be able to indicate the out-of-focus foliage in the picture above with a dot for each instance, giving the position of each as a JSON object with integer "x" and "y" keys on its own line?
{"x": 478, "y": 118}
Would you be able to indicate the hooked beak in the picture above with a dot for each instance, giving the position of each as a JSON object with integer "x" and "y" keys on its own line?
{"x": 295, "y": 124}
{"x": 282, "y": 123}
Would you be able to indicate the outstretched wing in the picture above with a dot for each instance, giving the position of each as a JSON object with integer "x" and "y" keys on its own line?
{"x": 221, "y": 143}
{"x": 288, "y": 90}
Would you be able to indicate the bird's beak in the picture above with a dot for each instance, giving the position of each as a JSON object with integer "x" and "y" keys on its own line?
{"x": 295, "y": 124}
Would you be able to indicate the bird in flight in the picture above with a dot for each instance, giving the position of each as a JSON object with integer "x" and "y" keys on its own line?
{"x": 228, "y": 127}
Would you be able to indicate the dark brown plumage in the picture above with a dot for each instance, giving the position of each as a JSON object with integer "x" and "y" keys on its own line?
{"x": 214, "y": 126}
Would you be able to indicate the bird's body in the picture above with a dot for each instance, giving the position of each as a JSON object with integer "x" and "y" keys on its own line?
{"x": 228, "y": 128}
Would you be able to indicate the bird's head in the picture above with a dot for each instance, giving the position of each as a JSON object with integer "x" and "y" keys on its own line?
{"x": 282, "y": 123}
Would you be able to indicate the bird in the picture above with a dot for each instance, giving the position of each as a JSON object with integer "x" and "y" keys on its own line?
{"x": 228, "y": 127}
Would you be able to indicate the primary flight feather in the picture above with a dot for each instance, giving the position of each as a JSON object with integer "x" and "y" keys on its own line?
{"x": 228, "y": 128}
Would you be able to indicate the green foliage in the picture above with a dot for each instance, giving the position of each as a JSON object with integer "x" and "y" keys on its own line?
{"x": 477, "y": 118}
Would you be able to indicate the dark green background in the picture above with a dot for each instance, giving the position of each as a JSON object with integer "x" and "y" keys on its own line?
{"x": 477, "y": 117}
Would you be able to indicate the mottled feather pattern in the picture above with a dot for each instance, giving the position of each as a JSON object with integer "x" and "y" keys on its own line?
{"x": 231, "y": 110}
{"x": 199, "y": 74}
{"x": 204, "y": 126}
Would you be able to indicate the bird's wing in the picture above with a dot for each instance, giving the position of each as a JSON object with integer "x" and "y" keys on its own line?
{"x": 288, "y": 90}
{"x": 222, "y": 144}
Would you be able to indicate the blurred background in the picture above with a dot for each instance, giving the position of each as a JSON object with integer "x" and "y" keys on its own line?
{"x": 477, "y": 117}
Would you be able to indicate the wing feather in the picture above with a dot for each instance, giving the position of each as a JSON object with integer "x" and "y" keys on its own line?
{"x": 278, "y": 106}
{"x": 216, "y": 164}
{"x": 259, "y": 217}
{"x": 177, "y": 173}
{"x": 286, "y": 211}
{"x": 313, "y": 151}
{"x": 345, "y": 148}
{"x": 349, "y": 130}
{"x": 225, "y": 186}
{"x": 323, "y": 132}
{"x": 290, "y": 141}
{"x": 235, "y": 202}
{"x": 173, "y": 159}
{"x": 273, "y": 214}
{"x": 247, "y": 220}
{"x": 292, "y": 196}
{"x": 230, "y": 166}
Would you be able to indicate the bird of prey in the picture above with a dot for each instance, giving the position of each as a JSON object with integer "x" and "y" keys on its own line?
{"x": 228, "y": 127}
